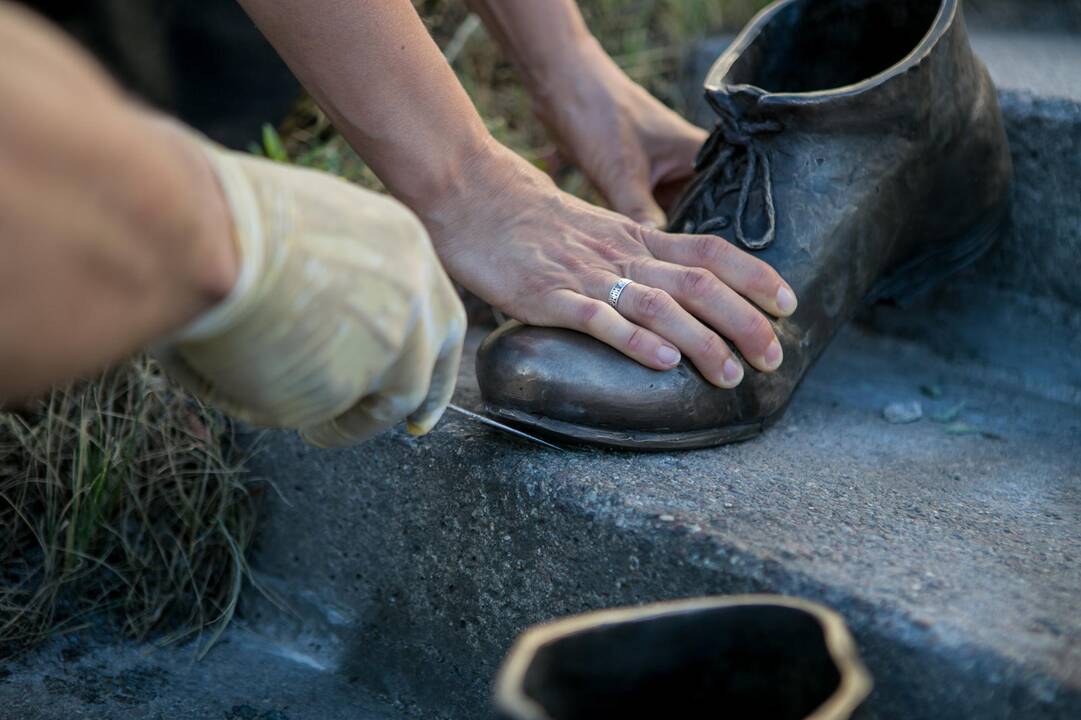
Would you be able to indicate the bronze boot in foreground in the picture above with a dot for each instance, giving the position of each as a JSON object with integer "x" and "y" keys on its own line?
{"x": 859, "y": 150}
{"x": 752, "y": 656}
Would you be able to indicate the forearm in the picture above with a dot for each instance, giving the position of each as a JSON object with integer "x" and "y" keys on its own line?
{"x": 112, "y": 228}
{"x": 547, "y": 41}
{"x": 376, "y": 72}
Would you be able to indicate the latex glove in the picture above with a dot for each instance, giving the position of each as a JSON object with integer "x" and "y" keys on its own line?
{"x": 342, "y": 322}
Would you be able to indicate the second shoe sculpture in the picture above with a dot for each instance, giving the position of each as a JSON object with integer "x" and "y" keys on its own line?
{"x": 750, "y": 656}
{"x": 859, "y": 149}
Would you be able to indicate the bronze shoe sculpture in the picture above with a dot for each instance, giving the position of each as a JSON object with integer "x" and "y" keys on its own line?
{"x": 752, "y": 656}
{"x": 859, "y": 150}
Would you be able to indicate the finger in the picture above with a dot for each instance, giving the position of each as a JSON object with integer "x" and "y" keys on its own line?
{"x": 600, "y": 320}
{"x": 747, "y": 275}
{"x": 440, "y": 390}
{"x": 701, "y": 293}
{"x": 655, "y": 309}
{"x": 367, "y": 418}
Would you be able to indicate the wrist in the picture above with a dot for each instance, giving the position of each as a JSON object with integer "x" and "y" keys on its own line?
{"x": 552, "y": 66}
{"x": 567, "y": 76}
{"x": 583, "y": 80}
{"x": 420, "y": 173}
{"x": 203, "y": 222}
{"x": 463, "y": 179}
{"x": 485, "y": 185}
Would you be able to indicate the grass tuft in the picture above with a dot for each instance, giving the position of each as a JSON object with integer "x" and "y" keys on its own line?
{"x": 119, "y": 498}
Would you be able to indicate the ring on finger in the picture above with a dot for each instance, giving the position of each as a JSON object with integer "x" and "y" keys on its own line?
{"x": 617, "y": 290}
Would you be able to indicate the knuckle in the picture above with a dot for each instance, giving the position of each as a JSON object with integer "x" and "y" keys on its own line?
{"x": 707, "y": 248}
{"x": 713, "y": 347}
{"x": 637, "y": 340}
{"x": 763, "y": 278}
{"x": 653, "y": 303}
{"x": 587, "y": 313}
{"x": 640, "y": 234}
{"x": 755, "y": 328}
{"x": 695, "y": 281}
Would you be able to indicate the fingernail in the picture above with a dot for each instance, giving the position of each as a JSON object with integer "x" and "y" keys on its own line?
{"x": 786, "y": 301}
{"x": 774, "y": 355}
{"x": 733, "y": 372}
{"x": 651, "y": 224}
{"x": 667, "y": 355}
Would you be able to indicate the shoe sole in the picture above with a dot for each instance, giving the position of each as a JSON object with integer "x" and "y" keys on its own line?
{"x": 902, "y": 285}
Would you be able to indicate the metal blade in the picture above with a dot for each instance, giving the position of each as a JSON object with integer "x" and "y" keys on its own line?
{"x": 500, "y": 426}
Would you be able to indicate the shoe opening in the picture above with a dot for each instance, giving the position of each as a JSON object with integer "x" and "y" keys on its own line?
{"x": 814, "y": 45}
{"x": 751, "y": 661}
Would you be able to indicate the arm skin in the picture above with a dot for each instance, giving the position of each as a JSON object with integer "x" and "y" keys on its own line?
{"x": 112, "y": 227}
{"x": 501, "y": 227}
{"x": 637, "y": 152}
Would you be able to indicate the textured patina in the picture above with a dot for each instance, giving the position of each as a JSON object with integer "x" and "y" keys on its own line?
{"x": 859, "y": 150}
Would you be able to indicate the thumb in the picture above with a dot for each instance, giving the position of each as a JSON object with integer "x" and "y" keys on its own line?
{"x": 631, "y": 194}
{"x": 635, "y": 200}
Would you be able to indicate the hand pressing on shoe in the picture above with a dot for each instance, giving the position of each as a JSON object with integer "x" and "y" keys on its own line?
{"x": 546, "y": 258}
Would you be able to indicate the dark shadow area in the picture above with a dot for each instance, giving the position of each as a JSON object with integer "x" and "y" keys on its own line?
{"x": 201, "y": 60}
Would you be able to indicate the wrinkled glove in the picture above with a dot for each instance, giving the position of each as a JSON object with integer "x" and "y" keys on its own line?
{"x": 342, "y": 322}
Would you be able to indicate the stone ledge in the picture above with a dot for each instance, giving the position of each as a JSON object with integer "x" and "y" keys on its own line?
{"x": 951, "y": 550}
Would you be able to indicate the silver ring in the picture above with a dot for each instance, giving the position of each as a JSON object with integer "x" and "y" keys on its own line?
{"x": 617, "y": 290}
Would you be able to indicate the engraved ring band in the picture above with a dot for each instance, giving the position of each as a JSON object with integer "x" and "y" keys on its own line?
{"x": 617, "y": 290}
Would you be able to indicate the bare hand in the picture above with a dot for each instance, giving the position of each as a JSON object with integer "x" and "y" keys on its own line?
{"x": 509, "y": 235}
{"x": 636, "y": 151}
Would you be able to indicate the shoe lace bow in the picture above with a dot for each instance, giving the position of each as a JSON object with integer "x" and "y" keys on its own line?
{"x": 734, "y": 144}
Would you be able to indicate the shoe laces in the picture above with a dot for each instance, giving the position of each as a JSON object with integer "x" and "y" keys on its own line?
{"x": 733, "y": 145}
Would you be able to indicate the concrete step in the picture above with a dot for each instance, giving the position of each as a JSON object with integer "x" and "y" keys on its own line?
{"x": 951, "y": 547}
{"x": 242, "y": 678}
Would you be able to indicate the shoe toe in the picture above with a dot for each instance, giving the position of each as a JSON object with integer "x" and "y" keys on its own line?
{"x": 551, "y": 378}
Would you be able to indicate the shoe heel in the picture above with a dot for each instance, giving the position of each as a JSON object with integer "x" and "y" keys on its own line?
{"x": 923, "y": 273}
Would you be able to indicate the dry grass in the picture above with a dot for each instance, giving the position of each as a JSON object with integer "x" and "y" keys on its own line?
{"x": 119, "y": 498}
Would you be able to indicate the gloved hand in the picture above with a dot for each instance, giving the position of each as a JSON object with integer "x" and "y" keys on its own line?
{"x": 342, "y": 322}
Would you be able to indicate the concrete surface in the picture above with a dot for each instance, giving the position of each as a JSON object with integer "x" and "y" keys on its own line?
{"x": 242, "y": 678}
{"x": 1041, "y": 63}
{"x": 951, "y": 547}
